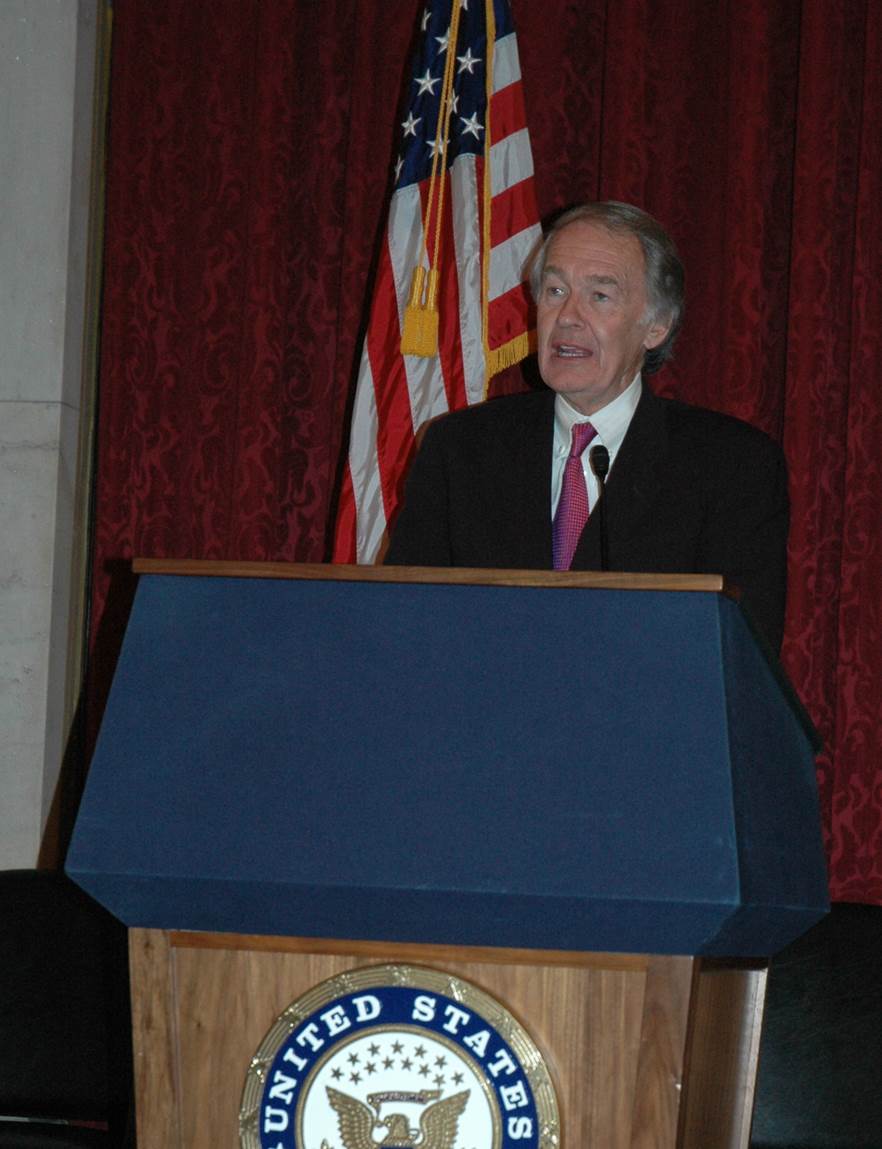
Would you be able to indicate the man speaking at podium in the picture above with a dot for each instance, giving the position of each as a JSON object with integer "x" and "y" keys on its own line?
{"x": 513, "y": 482}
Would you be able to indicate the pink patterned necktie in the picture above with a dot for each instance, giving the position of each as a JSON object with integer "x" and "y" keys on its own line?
{"x": 572, "y": 508}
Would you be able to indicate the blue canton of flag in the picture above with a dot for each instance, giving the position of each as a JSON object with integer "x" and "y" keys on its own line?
{"x": 420, "y": 128}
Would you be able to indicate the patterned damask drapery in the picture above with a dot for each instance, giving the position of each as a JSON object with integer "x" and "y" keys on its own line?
{"x": 250, "y": 147}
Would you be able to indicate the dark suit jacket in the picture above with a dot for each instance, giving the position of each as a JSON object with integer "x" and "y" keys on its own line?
{"x": 690, "y": 491}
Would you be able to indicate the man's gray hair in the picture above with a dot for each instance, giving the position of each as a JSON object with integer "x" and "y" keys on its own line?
{"x": 665, "y": 279}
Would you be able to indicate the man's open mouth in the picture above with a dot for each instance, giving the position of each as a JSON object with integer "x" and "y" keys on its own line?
{"x": 571, "y": 351}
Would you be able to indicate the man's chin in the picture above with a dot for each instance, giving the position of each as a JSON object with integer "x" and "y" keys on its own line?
{"x": 585, "y": 395}
{"x": 573, "y": 385}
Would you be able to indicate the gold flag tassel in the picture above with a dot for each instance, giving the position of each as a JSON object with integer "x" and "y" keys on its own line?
{"x": 419, "y": 330}
{"x": 419, "y": 335}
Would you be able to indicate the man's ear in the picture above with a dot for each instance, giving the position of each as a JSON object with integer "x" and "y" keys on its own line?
{"x": 656, "y": 333}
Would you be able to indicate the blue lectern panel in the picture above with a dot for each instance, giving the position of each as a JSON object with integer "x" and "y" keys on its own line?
{"x": 512, "y": 766}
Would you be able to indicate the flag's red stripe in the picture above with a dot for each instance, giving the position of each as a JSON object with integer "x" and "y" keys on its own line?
{"x": 509, "y": 316}
{"x": 344, "y": 528}
{"x": 480, "y": 161}
{"x": 395, "y": 423}
{"x": 512, "y": 211}
{"x": 507, "y": 112}
{"x": 450, "y": 362}
{"x": 449, "y": 341}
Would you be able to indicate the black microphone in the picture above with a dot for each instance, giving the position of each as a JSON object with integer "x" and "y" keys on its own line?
{"x": 598, "y": 457}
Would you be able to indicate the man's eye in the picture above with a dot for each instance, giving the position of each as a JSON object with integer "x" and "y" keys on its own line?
{"x": 601, "y": 296}
{"x": 554, "y": 290}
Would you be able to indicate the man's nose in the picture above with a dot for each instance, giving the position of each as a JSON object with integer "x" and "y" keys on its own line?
{"x": 570, "y": 314}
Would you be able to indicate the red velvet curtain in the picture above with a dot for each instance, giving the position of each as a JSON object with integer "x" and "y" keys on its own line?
{"x": 250, "y": 149}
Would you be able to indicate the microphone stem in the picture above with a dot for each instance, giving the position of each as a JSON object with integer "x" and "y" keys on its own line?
{"x": 598, "y": 457}
{"x": 601, "y": 510}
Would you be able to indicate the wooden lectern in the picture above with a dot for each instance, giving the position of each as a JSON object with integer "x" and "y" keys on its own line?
{"x": 592, "y": 796}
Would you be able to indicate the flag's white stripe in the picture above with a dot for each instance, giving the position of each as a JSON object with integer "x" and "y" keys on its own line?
{"x": 511, "y": 160}
{"x": 364, "y": 466}
{"x": 406, "y": 242}
{"x": 508, "y": 258}
{"x": 425, "y": 384}
{"x": 506, "y": 64}
{"x": 464, "y": 192}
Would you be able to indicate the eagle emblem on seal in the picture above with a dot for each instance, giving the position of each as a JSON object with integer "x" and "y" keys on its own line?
{"x": 359, "y": 1126}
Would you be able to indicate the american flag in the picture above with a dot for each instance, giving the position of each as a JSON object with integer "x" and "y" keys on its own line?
{"x": 477, "y": 245}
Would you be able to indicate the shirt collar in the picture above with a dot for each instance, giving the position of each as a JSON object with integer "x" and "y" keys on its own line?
{"x": 610, "y": 422}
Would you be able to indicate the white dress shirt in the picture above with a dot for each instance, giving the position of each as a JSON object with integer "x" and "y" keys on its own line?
{"x": 610, "y": 422}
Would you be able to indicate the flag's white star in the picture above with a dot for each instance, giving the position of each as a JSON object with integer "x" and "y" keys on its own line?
{"x": 399, "y": 164}
{"x": 410, "y": 124}
{"x": 471, "y": 125}
{"x": 426, "y": 83}
{"x": 454, "y": 103}
{"x": 427, "y": 14}
{"x": 443, "y": 41}
{"x": 437, "y": 147}
{"x": 468, "y": 61}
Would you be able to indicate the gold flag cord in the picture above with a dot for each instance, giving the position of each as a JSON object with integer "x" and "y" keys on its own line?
{"x": 487, "y": 191}
{"x": 419, "y": 335}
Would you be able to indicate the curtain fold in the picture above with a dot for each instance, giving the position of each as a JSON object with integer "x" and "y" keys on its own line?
{"x": 832, "y": 427}
{"x": 251, "y": 143}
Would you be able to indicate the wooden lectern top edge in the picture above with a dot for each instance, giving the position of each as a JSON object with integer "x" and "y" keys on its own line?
{"x": 441, "y": 952}
{"x": 407, "y": 951}
{"x": 471, "y": 576}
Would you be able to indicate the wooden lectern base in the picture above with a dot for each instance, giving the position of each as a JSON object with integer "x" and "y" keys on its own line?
{"x": 645, "y": 1051}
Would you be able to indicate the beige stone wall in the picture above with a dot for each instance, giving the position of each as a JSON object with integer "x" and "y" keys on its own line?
{"x": 47, "y": 67}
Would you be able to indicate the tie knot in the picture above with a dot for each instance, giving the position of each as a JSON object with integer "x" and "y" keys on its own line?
{"x": 583, "y": 433}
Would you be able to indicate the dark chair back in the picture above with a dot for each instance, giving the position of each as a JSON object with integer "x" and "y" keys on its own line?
{"x": 820, "y": 1069}
{"x": 65, "y": 1029}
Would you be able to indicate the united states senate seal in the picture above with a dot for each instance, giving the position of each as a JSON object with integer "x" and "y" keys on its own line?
{"x": 400, "y": 1057}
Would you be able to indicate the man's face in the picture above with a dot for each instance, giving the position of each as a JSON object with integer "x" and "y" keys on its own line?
{"x": 592, "y": 314}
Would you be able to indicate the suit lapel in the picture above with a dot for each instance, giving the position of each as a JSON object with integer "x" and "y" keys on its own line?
{"x": 530, "y": 472}
{"x": 632, "y": 485}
